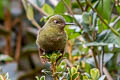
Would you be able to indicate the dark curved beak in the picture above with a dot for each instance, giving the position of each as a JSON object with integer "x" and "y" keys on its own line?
{"x": 69, "y": 23}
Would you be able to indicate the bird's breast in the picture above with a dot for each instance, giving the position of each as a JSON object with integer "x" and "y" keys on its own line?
{"x": 52, "y": 41}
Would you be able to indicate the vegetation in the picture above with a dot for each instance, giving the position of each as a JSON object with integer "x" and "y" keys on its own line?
{"x": 92, "y": 49}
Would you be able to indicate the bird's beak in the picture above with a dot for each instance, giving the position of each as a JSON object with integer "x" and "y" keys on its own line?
{"x": 69, "y": 23}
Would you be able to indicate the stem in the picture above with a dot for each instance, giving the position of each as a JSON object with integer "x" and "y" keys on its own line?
{"x": 94, "y": 56}
{"x": 102, "y": 61}
{"x": 54, "y": 70}
{"x": 80, "y": 5}
{"x": 101, "y": 18}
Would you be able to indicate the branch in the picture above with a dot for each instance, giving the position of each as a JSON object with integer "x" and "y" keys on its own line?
{"x": 39, "y": 9}
{"x": 101, "y": 18}
{"x": 19, "y": 40}
{"x": 94, "y": 56}
{"x": 80, "y": 5}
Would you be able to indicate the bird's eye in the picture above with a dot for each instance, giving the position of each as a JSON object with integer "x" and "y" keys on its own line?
{"x": 55, "y": 21}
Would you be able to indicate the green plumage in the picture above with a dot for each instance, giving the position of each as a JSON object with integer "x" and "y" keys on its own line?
{"x": 52, "y": 36}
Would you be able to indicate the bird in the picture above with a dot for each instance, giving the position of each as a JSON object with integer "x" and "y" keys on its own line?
{"x": 52, "y": 36}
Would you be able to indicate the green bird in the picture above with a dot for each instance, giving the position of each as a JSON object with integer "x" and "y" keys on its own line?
{"x": 51, "y": 36}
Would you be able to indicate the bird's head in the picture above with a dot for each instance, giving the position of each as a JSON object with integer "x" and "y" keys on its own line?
{"x": 58, "y": 21}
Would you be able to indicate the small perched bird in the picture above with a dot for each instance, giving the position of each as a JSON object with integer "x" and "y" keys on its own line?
{"x": 51, "y": 36}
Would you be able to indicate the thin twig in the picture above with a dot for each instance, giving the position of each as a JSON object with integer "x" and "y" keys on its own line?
{"x": 101, "y": 18}
{"x": 54, "y": 71}
{"x": 102, "y": 61}
{"x": 38, "y": 8}
{"x": 94, "y": 56}
{"x": 80, "y": 5}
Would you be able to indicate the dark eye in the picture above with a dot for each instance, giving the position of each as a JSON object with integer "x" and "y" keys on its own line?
{"x": 55, "y": 21}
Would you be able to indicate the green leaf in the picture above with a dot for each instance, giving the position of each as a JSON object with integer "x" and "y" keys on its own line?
{"x": 48, "y": 9}
{"x": 72, "y": 34}
{"x": 42, "y": 78}
{"x": 68, "y": 18}
{"x": 112, "y": 38}
{"x": 73, "y": 70}
{"x": 118, "y": 9}
{"x": 86, "y": 18}
{"x": 61, "y": 67}
{"x": 94, "y": 74}
{"x": 87, "y": 67}
{"x": 37, "y": 78}
{"x": 101, "y": 26}
{"x": 104, "y": 9}
{"x": 60, "y": 8}
{"x": 75, "y": 75}
{"x": 86, "y": 77}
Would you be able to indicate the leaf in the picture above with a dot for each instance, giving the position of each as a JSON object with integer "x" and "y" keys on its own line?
{"x": 61, "y": 67}
{"x": 118, "y": 9}
{"x": 97, "y": 44}
{"x": 86, "y": 18}
{"x": 104, "y": 9}
{"x": 60, "y": 8}
{"x": 72, "y": 31}
{"x": 42, "y": 78}
{"x": 108, "y": 55}
{"x": 95, "y": 74}
{"x": 40, "y": 2}
{"x": 37, "y": 78}
{"x": 75, "y": 75}
{"x": 78, "y": 18}
{"x": 68, "y": 18}
{"x": 101, "y": 26}
{"x": 48, "y": 9}
{"x": 112, "y": 38}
